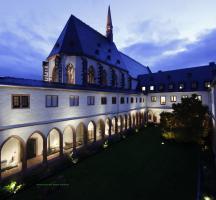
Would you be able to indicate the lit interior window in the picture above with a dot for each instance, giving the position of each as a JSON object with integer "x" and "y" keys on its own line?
{"x": 163, "y": 100}
{"x": 143, "y": 88}
{"x": 152, "y": 87}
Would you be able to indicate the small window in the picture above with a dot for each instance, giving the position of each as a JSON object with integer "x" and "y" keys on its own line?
{"x": 51, "y": 101}
{"x": 184, "y": 96}
{"x": 20, "y": 101}
{"x": 118, "y": 62}
{"x": 122, "y": 100}
{"x": 181, "y": 86}
{"x": 170, "y": 86}
{"x": 74, "y": 100}
{"x": 162, "y": 100}
{"x": 161, "y": 87}
{"x": 194, "y": 85}
{"x": 143, "y": 88}
{"x": 90, "y": 100}
{"x": 152, "y": 88}
{"x": 207, "y": 84}
{"x": 173, "y": 98}
{"x": 103, "y": 100}
{"x": 132, "y": 99}
{"x": 153, "y": 98}
{"x": 113, "y": 100}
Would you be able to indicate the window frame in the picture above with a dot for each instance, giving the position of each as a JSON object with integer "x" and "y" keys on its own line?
{"x": 92, "y": 100}
{"x": 152, "y": 99}
{"x": 52, "y": 106}
{"x": 75, "y": 99}
{"x": 20, "y": 103}
{"x": 171, "y": 100}
{"x": 161, "y": 99}
{"x": 103, "y": 100}
{"x": 114, "y": 100}
{"x": 122, "y": 100}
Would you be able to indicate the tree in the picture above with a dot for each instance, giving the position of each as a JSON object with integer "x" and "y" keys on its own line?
{"x": 188, "y": 119}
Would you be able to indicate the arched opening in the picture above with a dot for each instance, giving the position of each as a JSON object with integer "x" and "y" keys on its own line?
{"x": 150, "y": 116}
{"x": 104, "y": 77}
{"x": 107, "y": 127}
{"x": 12, "y": 156}
{"x": 68, "y": 139}
{"x": 113, "y": 125}
{"x": 80, "y": 135}
{"x": 91, "y": 132}
{"x": 53, "y": 144}
{"x": 55, "y": 74}
{"x": 70, "y": 74}
{"x": 34, "y": 149}
{"x": 119, "y": 124}
{"x": 91, "y": 75}
{"x": 100, "y": 130}
{"x": 128, "y": 122}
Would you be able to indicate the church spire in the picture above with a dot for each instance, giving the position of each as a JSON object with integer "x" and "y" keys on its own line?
{"x": 109, "y": 27}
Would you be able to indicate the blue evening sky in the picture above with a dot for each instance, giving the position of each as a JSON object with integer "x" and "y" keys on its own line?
{"x": 163, "y": 34}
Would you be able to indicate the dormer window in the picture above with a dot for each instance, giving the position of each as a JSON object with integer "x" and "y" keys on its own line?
{"x": 181, "y": 86}
{"x": 152, "y": 87}
{"x": 144, "y": 88}
{"x": 108, "y": 57}
{"x": 118, "y": 61}
{"x": 161, "y": 87}
{"x": 194, "y": 85}
{"x": 207, "y": 84}
{"x": 98, "y": 44}
{"x": 170, "y": 86}
{"x": 109, "y": 50}
{"x": 97, "y": 52}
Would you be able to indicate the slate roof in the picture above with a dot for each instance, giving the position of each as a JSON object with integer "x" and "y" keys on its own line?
{"x": 77, "y": 38}
{"x": 199, "y": 74}
{"x": 11, "y": 81}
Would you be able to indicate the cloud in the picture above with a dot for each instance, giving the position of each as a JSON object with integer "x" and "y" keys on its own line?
{"x": 176, "y": 53}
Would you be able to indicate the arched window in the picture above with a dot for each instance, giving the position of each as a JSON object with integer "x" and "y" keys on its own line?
{"x": 91, "y": 75}
{"x": 104, "y": 78}
{"x": 55, "y": 74}
{"x": 70, "y": 74}
{"x": 115, "y": 81}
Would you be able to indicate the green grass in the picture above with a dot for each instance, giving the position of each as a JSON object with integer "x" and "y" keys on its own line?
{"x": 139, "y": 167}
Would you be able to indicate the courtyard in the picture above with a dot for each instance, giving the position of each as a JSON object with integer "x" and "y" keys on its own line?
{"x": 139, "y": 167}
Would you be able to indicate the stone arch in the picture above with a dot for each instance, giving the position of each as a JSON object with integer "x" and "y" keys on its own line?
{"x": 91, "y": 131}
{"x": 107, "y": 127}
{"x": 13, "y": 156}
{"x": 150, "y": 115}
{"x": 100, "y": 130}
{"x": 81, "y": 135}
{"x": 55, "y": 74}
{"x": 114, "y": 125}
{"x": 36, "y": 149}
{"x": 68, "y": 138}
{"x": 119, "y": 124}
{"x": 70, "y": 74}
{"x": 54, "y": 143}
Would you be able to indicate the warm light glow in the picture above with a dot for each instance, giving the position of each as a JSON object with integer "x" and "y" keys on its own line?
{"x": 162, "y": 142}
{"x": 143, "y": 88}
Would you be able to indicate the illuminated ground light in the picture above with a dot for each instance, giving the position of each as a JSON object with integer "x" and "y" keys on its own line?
{"x": 162, "y": 142}
{"x": 205, "y": 197}
{"x": 137, "y": 130}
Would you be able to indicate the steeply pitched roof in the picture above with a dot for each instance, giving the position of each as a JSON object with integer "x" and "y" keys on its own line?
{"x": 135, "y": 68}
{"x": 187, "y": 76}
{"x": 77, "y": 38}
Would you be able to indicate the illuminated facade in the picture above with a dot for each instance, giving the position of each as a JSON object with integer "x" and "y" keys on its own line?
{"x": 90, "y": 92}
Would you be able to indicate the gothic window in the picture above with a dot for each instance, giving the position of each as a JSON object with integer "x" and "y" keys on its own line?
{"x": 55, "y": 74}
{"x": 91, "y": 75}
{"x": 70, "y": 74}
{"x": 104, "y": 78}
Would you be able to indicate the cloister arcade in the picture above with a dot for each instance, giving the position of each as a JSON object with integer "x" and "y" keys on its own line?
{"x": 17, "y": 155}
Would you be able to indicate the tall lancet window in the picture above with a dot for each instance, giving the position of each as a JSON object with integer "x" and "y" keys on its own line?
{"x": 55, "y": 74}
{"x": 91, "y": 75}
{"x": 104, "y": 78}
{"x": 70, "y": 74}
{"x": 115, "y": 81}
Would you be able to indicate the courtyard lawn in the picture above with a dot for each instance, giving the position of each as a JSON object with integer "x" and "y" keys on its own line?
{"x": 139, "y": 167}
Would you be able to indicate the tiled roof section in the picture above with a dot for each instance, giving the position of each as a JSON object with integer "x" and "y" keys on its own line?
{"x": 175, "y": 77}
{"x": 10, "y": 81}
{"x": 77, "y": 38}
{"x": 135, "y": 68}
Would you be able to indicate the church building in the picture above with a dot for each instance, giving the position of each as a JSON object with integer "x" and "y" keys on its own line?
{"x": 91, "y": 92}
